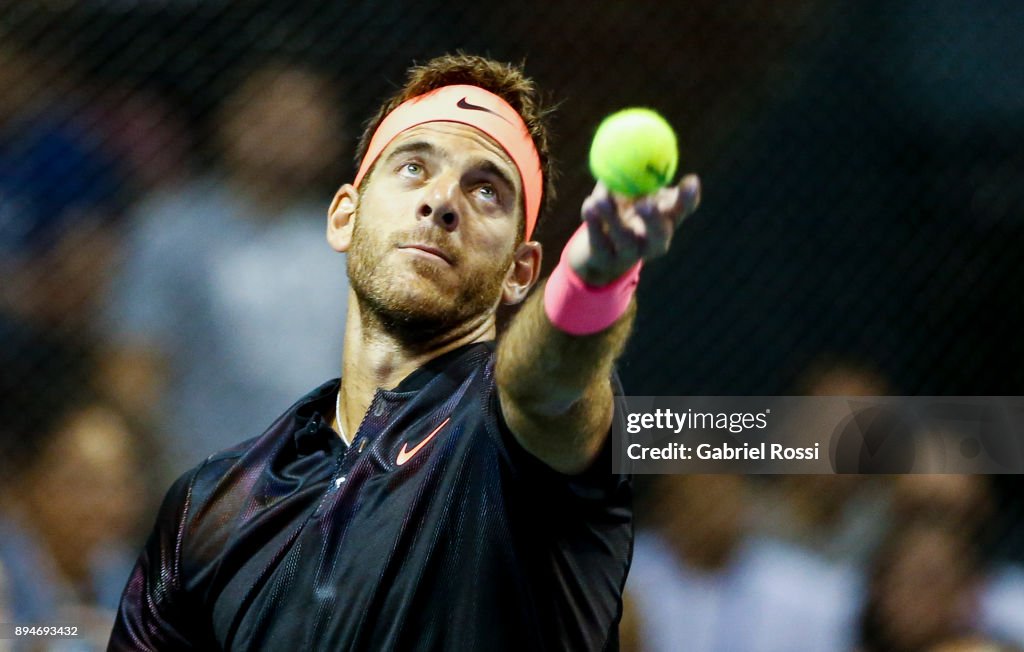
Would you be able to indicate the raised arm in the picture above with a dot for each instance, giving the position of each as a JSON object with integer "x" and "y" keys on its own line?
{"x": 555, "y": 386}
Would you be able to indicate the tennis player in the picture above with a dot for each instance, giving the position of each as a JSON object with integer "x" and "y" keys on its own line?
{"x": 447, "y": 493}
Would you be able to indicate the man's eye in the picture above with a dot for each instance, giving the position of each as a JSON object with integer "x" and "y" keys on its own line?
{"x": 412, "y": 169}
{"x": 488, "y": 192}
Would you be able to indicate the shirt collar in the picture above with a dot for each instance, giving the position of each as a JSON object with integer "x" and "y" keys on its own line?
{"x": 313, "y": 411}
{"x": 446, "y": 363}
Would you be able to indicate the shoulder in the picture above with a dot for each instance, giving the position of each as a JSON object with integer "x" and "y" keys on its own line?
{"x": 221, "y": 476}
{"x": 203, "y": 478}
{"x": 277, "y": 475}
{"x": 596, "y": 485}
{"x": 193, "y": 490}
{"x": 200, "y": 514}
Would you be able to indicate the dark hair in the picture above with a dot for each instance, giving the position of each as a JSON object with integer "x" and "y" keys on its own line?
{"x": 507, "y": 81}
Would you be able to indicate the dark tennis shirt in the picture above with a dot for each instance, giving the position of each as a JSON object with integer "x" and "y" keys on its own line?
{"x": 295, "y": 541}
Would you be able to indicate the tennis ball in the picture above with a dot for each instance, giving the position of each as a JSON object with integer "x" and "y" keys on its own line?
{"x": 634, "y": 152}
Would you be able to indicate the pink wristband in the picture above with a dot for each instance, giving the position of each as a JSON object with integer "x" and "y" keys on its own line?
{"x": 581, "y": 309}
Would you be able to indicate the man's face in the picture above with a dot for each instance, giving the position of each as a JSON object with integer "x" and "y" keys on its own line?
{"x": 435, "y": 229}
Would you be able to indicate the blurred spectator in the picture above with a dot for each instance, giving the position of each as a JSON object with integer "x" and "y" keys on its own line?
{"x": 60, "y": 197}
{"x": 974, "y": 644}
{"x": 965, "y": 503}
{"x": 832, "y": 375}
{"x": 961, "y": 500}
{"x": 699, "y": 580}
{"x": 146, "y": 133}
{"x": 228, "y": 306}
{"x": 5, "y": 609}
{"x": 922, "y": 589}
{"x": 838, "y": 517}
{"x": 72, "y": 491}
{"x": 1002, "y": 603}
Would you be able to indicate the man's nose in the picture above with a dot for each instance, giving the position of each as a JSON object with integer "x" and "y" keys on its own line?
{"x": 440, "y": 202}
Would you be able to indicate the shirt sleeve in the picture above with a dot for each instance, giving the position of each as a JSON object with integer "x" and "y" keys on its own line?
{"x": 154, "y": 613}
{"x": 596, "y": 484}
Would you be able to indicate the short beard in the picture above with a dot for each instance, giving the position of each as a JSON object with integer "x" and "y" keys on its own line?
{"x": 416, "y": 320}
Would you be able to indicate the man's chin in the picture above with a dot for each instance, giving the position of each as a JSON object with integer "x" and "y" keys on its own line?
{"x": 412, "y": 298}
{"x": 416, "y": 322}
{"x": 421, "y": 298}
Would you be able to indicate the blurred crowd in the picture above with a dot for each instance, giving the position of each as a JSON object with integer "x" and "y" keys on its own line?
{"x": 910, "y": 563}
{"x": 165, "y": 294}
{"x": 154, "y": 309}
{"x": 820, "y": 563}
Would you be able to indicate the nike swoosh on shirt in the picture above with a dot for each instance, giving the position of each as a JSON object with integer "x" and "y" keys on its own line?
{"x": 406, "y": 455}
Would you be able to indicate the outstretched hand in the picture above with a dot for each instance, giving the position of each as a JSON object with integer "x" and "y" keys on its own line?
{"x": 620, "y": 231}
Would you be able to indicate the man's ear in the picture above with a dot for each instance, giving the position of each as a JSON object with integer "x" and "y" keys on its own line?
{"x": 522, "y": 273}
{"x": 341, "y": 217}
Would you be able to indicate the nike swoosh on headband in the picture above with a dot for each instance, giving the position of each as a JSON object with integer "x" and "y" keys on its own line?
{"x": 464, "y": 104}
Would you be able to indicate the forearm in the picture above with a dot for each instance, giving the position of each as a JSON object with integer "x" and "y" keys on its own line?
{"x": 554, "y": 364}
{"x": 555, "y": 388}
{"x": 545, "y": 369}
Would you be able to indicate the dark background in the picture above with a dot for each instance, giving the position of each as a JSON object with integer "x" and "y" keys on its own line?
{"x": 862, "y": 162}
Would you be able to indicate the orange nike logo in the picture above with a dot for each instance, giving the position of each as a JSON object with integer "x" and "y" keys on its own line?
{"x": 404, "y": 455}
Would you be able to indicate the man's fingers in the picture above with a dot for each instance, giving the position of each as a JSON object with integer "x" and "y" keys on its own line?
{"x": 657, "y": 226}
{"x": 602, "y": 209}
{"x": 599, "y": 243}
{"x": 688, "y": 198}
{"x": 597, "y": 212}
{"x": 663, "y": 212}
{"x": 643, "y": 227}
{"x": 622, "y": 230}
{"x": 616, "y": 218}
{"x": 599, "y": 206}
{"x": 667, "y": 200}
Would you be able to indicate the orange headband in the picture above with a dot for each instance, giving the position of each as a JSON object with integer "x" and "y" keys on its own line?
{"x": 475, "y": 107}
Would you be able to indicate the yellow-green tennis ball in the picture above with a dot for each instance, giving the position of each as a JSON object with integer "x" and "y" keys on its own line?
{"x": 634, "y": 152}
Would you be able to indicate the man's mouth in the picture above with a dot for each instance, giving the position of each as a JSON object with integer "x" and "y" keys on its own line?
{"x": 429, "y": 250}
